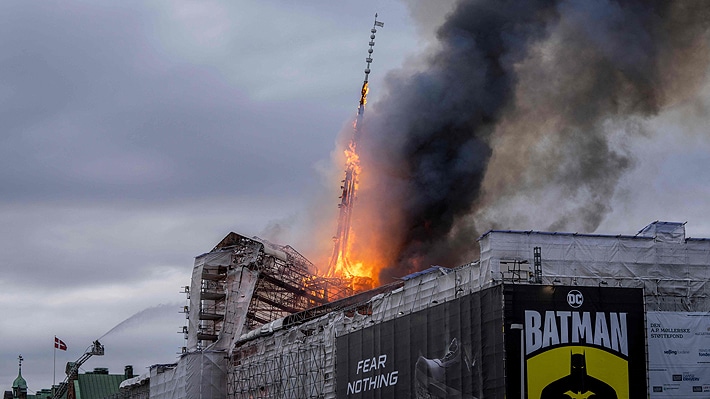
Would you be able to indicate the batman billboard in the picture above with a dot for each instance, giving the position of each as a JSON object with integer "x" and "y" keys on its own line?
{"x": 573, "y": 342}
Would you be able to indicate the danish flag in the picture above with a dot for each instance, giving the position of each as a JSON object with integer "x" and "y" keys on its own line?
{"x": 59, "y": 344}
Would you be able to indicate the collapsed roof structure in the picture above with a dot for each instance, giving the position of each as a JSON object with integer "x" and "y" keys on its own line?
{"x": 259, "y": 325}
{"x": 244, "y": 283}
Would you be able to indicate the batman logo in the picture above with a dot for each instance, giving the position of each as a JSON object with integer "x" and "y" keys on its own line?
{"x": 578, "y": 385}
{"x": 584, "y": 395}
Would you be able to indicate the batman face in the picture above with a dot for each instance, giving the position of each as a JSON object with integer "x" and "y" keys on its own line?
{"x": 578, "y": 364}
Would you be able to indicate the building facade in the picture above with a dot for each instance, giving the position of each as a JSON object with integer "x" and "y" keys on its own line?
{"x": 540, "y": 314}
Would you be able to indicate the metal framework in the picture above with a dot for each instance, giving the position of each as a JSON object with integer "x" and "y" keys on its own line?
{"x": 212, "y": 307}
{"x": 290, "y": 372}
{"x": 286, "y": 284}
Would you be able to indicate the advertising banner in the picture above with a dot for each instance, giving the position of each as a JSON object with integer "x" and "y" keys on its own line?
{"x": 432, "y": 353}
{"x": 575, "y": 342}
{"x": 678, "y": 354}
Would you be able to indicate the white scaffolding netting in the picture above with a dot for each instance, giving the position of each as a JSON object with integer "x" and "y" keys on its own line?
{"x": 198, "y": 375}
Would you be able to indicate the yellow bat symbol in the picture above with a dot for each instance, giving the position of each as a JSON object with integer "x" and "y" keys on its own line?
{"x": 583, "y": 395}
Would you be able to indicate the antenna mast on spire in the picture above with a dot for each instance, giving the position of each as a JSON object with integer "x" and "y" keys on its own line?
{"x": 339, "y": 264}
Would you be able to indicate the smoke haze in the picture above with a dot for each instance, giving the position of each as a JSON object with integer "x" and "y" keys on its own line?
{"x": 521, "y": 117}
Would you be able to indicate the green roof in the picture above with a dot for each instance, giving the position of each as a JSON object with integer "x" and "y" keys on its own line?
{"x": 43, "y": 394}
{"x": 97, "y": 386}
{"x": 19, "y": 382}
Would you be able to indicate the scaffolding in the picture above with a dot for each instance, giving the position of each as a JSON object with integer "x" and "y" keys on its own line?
{"x": 293, "y": 367}
{"x": 244, "y": 283}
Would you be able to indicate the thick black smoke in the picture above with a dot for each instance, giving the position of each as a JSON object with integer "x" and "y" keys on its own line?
{"x": 521, "y": 98}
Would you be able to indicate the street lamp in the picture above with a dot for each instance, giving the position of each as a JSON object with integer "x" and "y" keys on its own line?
{"x": 519, "y": 326}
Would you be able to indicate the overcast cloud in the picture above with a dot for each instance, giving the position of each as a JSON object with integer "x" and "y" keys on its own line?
{"x": 136, "y": 135}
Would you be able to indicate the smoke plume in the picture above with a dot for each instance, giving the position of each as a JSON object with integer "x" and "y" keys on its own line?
{"x": 519, "y": 118}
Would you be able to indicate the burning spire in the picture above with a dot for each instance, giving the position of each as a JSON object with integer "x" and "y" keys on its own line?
{"x": 339, "y": 264}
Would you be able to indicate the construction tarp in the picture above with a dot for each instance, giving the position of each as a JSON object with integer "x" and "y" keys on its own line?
{"x": 664, "y": 267}
{"x": 239, "y": 287}
{"x": 197, "y": 375}
{"x": 167, "y": 381}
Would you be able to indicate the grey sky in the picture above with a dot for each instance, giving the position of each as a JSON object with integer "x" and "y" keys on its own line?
{"x": 136, "y": 135}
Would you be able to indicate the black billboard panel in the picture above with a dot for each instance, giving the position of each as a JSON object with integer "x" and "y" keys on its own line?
{"x": 432, "y": 353}
{"x": 575, "y": 342}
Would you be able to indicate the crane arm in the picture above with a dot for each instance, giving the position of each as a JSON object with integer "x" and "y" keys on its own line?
{"x": 73, "y": 367}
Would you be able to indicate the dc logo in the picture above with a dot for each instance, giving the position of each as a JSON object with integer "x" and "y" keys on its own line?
{"x": 575, "y": 299}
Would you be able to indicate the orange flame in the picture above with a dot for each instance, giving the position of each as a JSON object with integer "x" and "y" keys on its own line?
{"x": 363, "y": 93}
{"x": 362, "y": 256}
{"x": 352, "y": 160}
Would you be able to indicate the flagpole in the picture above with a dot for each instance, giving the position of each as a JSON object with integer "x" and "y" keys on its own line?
{"x": 54, "y": 371}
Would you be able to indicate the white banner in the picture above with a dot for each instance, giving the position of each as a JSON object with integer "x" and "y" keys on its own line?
{"x": 678, "y": 354}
